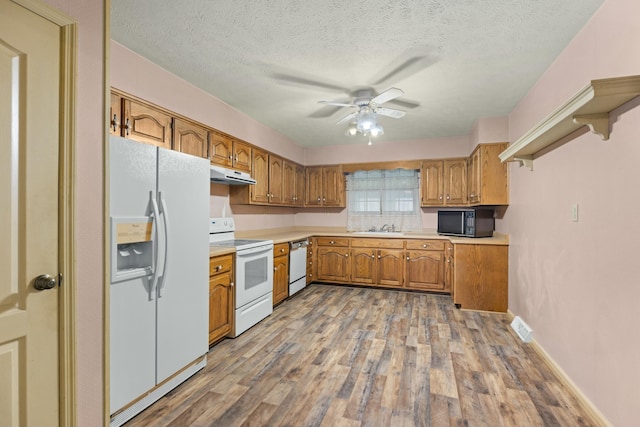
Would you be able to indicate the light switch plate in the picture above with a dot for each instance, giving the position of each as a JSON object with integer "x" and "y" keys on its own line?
{"x": 574, "y": 213}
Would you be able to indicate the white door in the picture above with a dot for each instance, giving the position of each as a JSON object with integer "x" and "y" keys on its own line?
{"x": 29, "y": 141}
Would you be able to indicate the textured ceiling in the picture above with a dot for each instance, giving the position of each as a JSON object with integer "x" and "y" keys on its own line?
{"x": 456, "y": 60}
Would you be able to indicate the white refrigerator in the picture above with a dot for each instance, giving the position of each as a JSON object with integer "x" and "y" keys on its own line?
{"x": 158, "y": 299}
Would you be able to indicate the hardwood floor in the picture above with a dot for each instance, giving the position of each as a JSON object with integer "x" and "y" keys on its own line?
{"x": 347, "y": 356}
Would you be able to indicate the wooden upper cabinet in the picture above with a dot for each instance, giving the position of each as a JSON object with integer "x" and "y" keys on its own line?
{"x": 487, "y": 176}
{"x": 325, "y": 186}
{"x": 115, "y": 115}
{"x": 220, "y": 147}
{"x": 259, "y": 192}
{"x": 444, "y": 182}
{"x": 276, "y": 181}
{"x": 293, "y": 186}
{"x": 190, "y": 138}
{"x": 144, "y": 123}
{"x": 455, "y": 181}
{"x": 432, "y": 184}
{"x": 242, "y": 156}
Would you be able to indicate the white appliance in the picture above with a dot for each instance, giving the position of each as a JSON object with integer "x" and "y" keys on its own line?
{"x": 297, "y": 266}
{"x": 253, "y": 273}
{"x": 222, "y": 175}
{"x": 158, "y": 296}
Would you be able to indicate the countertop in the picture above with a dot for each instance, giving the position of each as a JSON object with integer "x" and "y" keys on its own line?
{"x": 281, "y": 235}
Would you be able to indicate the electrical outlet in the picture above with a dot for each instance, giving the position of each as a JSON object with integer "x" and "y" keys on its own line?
{"x": 574, "y": 212}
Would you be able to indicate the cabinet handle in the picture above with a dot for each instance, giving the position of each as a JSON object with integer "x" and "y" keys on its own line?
{"x": 235, "y": 158}
{"x": 324, "y": 199}
{"x": 126, "y": 126}
{"x": 232, "y": 284}
{"x": 424, "y": 246}
{"x": 448, "y": 197}
{"x": 219, "y": 267}
{"x": 332, "y": 242}
{"x": 114, "y": 122}
{"x": 373, "y": 256}
{"x": 275, "y": 268}
{"x": 318, "y": 198}
{"x": 378, "y": 256}
{"x": 408, "y": 259}
{"x": 230, "y": 158}
{"x": 281, "y": 250}
{"x": 440, "y": 198}
{"x": 346, "y": 255}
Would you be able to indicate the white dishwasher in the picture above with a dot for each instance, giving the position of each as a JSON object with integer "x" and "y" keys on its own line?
{"x": 297, "y": 265}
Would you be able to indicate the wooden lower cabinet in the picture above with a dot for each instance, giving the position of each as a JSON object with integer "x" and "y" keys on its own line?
{"x": 425, "y": 270}
{"x": 363, "y": 266}
{"x": 221, "y": 297}
{"x": 390, "y": 267}
{"x": 480, "y": 279}
{"x": 280, "y": 272}
{"x": 334, "y": 263}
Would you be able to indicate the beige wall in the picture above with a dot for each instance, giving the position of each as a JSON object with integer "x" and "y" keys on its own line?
{"x": 576, "y": 283}
{"x": 89, "y": 205}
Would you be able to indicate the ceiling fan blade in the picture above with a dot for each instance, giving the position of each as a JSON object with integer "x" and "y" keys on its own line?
{"x": 326, "y": 111}
{"x": 387, "y": 95}
{"x": 285, "y": 78}
{"x": 346, "y": 118}
{"x": 338, "y": 104}
{"x": 407, "y": 68}
{"x": 405, "y": 103}
{"x": 389, "y": 112}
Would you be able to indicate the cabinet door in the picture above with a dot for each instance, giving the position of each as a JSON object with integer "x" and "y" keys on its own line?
{"x": 390, "y": 267}
{"x": 432, "y": 183}
{"x": 455, "y": 181}
{"x": 220, "y": 306}
{"x": 473, "y": 174}
{"x": 190, "y": 138}
{"x": 481, "y": 277}
{"x": 425, "y": 270}
{"x": 448, "y": 268}
{"x": 333, "y": 186}
{"x": 313, "y": 186}
{"x": 260, "y": 164}
{"x": 242, "y": 156}
{"x": 115, "y": 115}
{"x": 333, "y": 264}
{"x": 147, "y": 124}
{"x": 289, "y": 183}
{"x": 280, "y": 279}
{"x": 276, "y": 183}
{"x": 299, "y": 186}
{"x": 220, "y": 147}
{"x": 363, "y": 266}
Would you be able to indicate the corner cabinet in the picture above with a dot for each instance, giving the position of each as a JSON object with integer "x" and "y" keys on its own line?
{"x": 221, "y": 297}
{"x": 480, "y": 277}
{"x": 325, "y": 186}
{"x": 488, "y": 182}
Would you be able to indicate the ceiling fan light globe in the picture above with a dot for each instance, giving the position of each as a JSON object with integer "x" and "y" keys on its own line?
{"x": 376, "y": 130}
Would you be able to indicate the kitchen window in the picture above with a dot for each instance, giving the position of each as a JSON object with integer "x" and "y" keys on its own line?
{"x": 380, "y": 198}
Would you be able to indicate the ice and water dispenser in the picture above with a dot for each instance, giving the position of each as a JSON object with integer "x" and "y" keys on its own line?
{"x": 132, "y": 248}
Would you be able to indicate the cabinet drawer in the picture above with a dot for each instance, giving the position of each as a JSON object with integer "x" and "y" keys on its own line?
{"x": 220, "y": 264}
{"x": 377, "y": 243}
{"x": 333, "y": 241}
{"x": 432, "y": 245}
{"x": 280, "y": 249}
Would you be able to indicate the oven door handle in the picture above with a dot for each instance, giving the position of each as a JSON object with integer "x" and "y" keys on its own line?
{"x": 253, "y": 251}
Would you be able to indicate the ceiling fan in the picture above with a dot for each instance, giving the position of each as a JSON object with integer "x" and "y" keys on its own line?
{"x": 368, "y": 105}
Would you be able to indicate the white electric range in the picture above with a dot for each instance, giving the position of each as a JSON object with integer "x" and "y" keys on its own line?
{"x": 253, "y": 273}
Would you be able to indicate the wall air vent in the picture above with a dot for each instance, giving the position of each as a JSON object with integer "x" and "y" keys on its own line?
{"x": 522, "y": 329}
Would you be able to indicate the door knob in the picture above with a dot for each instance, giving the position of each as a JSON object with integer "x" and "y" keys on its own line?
{"x": 44, "y": 282}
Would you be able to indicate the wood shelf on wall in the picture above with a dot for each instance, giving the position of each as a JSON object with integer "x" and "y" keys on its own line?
{"x": 590, "y": 106}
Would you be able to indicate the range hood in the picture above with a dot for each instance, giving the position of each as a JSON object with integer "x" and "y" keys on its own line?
{"x": 222, "y": 175}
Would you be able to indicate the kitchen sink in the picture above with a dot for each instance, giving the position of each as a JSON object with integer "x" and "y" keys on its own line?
{"x": 379, "y": 233}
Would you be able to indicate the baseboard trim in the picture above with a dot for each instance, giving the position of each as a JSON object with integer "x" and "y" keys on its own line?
{"x": 584, "y": 402}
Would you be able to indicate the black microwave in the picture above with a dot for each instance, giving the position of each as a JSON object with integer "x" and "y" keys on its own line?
{"x": 472, "y": 222}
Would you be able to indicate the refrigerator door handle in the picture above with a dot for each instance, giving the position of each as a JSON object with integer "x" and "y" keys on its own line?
{"x": 154, "y": 265}
{"x": 165, "y": 216}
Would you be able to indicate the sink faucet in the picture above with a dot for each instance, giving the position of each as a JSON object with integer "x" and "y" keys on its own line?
{"x": 384, "y": 227}
{"x": 373, "y": 228}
